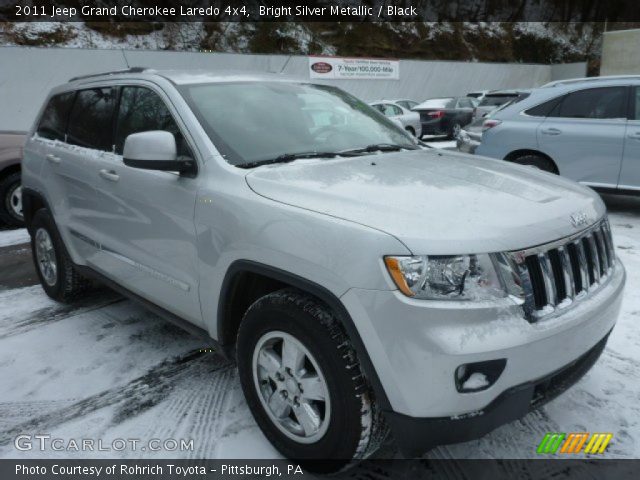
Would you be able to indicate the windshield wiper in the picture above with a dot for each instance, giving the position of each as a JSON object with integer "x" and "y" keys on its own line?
{"x": 381, "y": 147}
{"x": 289, "y": 157}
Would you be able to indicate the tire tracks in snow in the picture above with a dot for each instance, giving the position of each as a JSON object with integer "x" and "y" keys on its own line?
{"x": 131, "y": 399}
{"x": 57, "y": 312}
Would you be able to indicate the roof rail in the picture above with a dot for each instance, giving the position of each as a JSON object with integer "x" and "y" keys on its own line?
{"x": 590, "y": 79}
{"x": 115, "y": 72}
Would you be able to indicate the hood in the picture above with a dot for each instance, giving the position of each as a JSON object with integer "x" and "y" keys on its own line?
{"x": 435, "y": 202}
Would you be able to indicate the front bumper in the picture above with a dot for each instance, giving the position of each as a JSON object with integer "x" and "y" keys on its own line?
{"x": 416, "y": 345}
{"x": 415, "y": 436}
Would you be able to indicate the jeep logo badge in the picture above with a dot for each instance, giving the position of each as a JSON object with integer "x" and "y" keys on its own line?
{"x": 579, "y": 219}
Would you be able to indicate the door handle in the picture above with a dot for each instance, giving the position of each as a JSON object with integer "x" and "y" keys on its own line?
{"x": 53, "y": 159}
{"x": 109, "y": 175}
{"x": 635, "y": 135}
{"x": 551, "y": 131}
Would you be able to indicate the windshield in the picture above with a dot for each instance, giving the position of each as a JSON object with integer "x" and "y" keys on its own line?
{"x": 251, "y": 122}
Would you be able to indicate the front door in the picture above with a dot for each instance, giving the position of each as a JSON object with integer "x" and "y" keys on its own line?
{"x": 147, "y": 217}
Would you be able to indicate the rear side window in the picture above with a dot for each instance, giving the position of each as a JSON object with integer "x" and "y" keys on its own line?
{"x": 606, "y": 102}
{"x": 53, "y": 123}
{"x": 90, "y": 123}
{"x": 636, "y": 103}
{"x": 142, "y": 110}
{"x": 544, "y": 109}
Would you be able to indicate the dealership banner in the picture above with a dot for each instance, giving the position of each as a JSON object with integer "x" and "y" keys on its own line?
{"x": 354, "y": 68}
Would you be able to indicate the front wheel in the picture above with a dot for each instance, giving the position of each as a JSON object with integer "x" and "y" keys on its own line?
{"x": 303, "y": 383}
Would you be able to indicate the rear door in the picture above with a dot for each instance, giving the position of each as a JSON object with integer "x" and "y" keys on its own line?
{"x": 465, "y": 108}
{"x": 147, "y": 217}
{"x": 630, "y": 171}
{"x": 584, "y": 135}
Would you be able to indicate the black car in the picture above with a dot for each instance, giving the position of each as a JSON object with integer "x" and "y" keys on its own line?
{"x": 445, "y": 116}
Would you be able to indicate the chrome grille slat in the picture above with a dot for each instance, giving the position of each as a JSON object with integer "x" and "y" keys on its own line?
{"x": 547, "y": 278}
{"x": 550, "y": 275}
{"x": 567, "y": 273}
{"x": 604, "y": 260}
{"x": 594, "y": 265}
{"x": 582, "y": 263}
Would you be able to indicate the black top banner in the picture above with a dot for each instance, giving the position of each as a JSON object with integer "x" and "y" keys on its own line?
{"x": 320, "y": 11}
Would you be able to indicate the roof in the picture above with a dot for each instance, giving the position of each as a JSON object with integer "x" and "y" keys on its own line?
{"x": 190, "y": 76}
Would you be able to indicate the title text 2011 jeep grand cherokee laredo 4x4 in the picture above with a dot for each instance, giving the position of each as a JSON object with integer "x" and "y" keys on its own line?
{"x": 360, "y": 280}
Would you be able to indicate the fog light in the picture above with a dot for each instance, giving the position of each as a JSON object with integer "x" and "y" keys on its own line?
{"x": 475, "y": 377}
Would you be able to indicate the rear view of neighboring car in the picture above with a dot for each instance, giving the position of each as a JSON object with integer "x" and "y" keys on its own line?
{"x": 496, "y": 99}
{"x": 586, "y": 130}
{"x": 445, "y": 116}
{"x": 400, "y": 110}
{"x": 10, "y": 190}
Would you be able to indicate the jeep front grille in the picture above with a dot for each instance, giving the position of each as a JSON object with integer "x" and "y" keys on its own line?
{"x": 553, "y": 277}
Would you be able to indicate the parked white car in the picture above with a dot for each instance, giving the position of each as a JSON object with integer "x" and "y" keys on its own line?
{"x": 400, "y": 110}
{"x": 364, "y": 283}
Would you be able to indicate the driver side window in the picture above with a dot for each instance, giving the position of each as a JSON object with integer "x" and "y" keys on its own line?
{"x": 142, "y": 110}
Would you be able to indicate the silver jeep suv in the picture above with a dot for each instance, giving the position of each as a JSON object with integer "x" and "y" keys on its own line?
{"x": 363, "y": 282}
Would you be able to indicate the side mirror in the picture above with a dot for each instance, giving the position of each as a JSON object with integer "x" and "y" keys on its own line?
{"x": 154, "y": 150}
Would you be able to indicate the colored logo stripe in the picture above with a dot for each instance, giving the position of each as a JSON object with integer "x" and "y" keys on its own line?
{"x": 550, "y": 442}
{"x": 598, "y": 443}
{"x": 573, "y": 442}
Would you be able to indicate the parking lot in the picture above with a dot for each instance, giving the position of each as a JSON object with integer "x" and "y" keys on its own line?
{"x": 107, "y": 368}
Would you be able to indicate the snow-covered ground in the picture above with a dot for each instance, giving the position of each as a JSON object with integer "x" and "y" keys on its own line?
{"x": 106, "y": 368}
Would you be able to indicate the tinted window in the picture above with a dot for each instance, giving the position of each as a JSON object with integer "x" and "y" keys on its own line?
{"x": 608, "y": 102}
{"x": 142, "y": 110}
{"x": 90, "y": 123}
{"x": 465, "y": 103}
{"x": 496, "y": 100}
{"x": 543, "y": 109}
{"x": 53, "y": 123}
{"x": 637, "y": 104}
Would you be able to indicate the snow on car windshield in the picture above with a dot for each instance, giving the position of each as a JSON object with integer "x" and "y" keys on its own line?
{"x": 251, "y": 122}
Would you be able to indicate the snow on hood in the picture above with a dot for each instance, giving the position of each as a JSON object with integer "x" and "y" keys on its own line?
{"x": 435, "y": 202}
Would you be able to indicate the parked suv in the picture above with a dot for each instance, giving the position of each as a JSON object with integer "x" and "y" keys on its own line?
{"x": 361, "y": 281}
{"x": 10, "y": 189}
{"x": 587, "y": 130}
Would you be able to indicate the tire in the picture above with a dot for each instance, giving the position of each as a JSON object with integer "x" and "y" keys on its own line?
{"x": 454, "y": 131}
{"x": 61, "y": 281}
{"x": 538, "y": 161}
{"x": 411, "y": 131}
{"x": 350, "y": 426}
{"x": 11, "y": 200}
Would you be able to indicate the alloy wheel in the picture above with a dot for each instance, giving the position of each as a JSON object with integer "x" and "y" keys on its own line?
{"x": 46, "y": 257}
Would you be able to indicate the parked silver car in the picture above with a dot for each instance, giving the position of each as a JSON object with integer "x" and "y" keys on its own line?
{"x": 10, "y": 187}
{"x": 401, "y": 110}
{"x": 361, "y": 281}
{"x": 495, "y": 99}
{"x": 587, "y": 130}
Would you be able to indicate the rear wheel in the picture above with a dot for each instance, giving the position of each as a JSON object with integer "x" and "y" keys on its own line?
{"x": 11, "y": 200}
{"x": 455, "y": 131}
{"x": 303, "y": 383}
{"x": 54, "y": 267}
{"x": 538, "y": 161}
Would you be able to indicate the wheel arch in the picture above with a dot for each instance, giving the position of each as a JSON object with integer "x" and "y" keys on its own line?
{"x": 266, "y": 279}
{"x": 32, "y": 201}
{"x": 528, "y": 151}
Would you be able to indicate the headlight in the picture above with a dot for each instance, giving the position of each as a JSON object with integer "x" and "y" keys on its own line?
{"x": 461, "y": 277}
